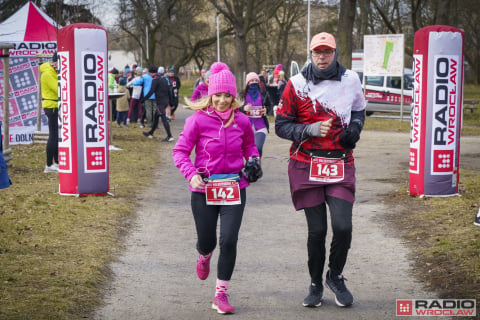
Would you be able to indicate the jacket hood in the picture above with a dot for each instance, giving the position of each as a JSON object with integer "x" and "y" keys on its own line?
{"x": 45, "y": 67}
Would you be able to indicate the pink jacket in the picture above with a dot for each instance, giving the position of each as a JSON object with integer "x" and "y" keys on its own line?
{"x": 199, "y": 92}
{"x": 217, "y": 149}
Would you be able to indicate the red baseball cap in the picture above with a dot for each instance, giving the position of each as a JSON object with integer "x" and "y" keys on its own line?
{"x": 323, "y": 39}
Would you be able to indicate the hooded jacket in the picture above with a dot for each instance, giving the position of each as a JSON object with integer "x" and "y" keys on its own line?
{"x": 49, "y": 86}
{"x": 218, "y": 150}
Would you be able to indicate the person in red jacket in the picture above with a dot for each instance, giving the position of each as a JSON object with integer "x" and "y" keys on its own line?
{"x": 222, "y": 138}
{"x": 322, "y": 111}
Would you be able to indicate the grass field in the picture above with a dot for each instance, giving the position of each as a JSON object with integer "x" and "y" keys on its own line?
{"x": 54, "y": 250}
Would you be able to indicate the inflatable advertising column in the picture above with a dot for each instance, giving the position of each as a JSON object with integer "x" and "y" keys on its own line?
{"x": 437, "y": 111}
{"x": 83, "y": 110}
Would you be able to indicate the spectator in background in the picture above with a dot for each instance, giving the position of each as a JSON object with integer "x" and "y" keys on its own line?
{"x": 49, "y": 92}
{"x": 122, "y": 103}
{"x": 146, "y": 82}
{"x": 476, "y": 221}
{"x": 264, "y": 90}
{"x": 5, "y": 181}
{"x": 276, "y": 73}
{"x": 161, "y": 71}
{"x": 112, "y": 87}
{"x": 175, "y": 85}
{"x": 200, "y": 79}
{"x": 163, "y": 98}
{"x": 281, "y": 83}
{"x": 135, "y": 104}
{"x": 202, "y": 89}
{"x": 263, "y": 80}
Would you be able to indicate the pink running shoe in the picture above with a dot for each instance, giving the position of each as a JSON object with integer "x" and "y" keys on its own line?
{"x": 203, "y": 266}
{"x": 221, "y": 304}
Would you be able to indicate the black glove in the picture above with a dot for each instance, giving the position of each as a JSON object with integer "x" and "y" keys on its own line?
{"x": 350, "y": 136}
{"x": 253, "y": 170}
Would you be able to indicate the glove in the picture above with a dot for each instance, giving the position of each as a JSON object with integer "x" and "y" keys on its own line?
{"x": 350, "y": 136}
{"x": 253, "y": 170}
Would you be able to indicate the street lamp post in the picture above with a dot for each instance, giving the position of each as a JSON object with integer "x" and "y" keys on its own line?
{"x": 308, "y": 28}
{"x": 218, "y": 36}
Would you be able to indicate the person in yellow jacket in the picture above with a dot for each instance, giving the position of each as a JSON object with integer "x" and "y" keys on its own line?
{"x": 49, "y": 92}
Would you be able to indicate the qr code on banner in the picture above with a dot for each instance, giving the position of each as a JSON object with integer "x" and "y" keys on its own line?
{"x": 443, "y": 161}
{"x": 22, "y": 80}
{"x": 16, "y": 61}
{"x": 413, "y": 160}
{"x": 64, "y": 159}
{"x": 95, "y": 159}
{"x": 404, "y": 307}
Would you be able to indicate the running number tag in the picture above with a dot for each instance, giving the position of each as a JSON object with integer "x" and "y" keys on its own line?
{"x": 255, "y": 112}
{"x": 223, "y": 193}
{"x": 326, "y": 169}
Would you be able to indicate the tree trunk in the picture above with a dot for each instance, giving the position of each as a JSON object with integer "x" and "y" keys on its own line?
{"x": 346, "y": 21}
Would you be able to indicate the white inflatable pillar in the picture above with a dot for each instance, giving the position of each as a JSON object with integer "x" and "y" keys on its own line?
{"x": 83, "y": 110}
{"x": 437, "y": 111}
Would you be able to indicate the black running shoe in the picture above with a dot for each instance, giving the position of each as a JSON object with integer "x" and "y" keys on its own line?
{"x": 477, "y": 219}
{"x": 315, "y": 295}
{"x": 343, "y": 297}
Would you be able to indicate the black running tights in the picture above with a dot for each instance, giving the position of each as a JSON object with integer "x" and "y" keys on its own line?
{"x": 206, "y": 217}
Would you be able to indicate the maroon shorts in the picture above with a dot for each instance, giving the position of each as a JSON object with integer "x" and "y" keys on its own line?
{"x": 306, "y": 193}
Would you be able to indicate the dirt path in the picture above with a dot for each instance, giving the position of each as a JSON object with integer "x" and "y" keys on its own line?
{"x": 155, "y": 277}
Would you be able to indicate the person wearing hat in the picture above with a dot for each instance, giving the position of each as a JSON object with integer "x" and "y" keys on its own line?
{"x": 200, "y": 79}
{"x": 49, "y": 93}
{"x": 223, "y": 139}
{"x": 149, "y": 104}
{"x": 161, "y": 71}
{"x": 122, "y": 103}
{"x": 175, "y": 85}
{"x": 322, "y": 111}
{"x": 163, "y": 98}
{"x": 276, "y": 72}
{"x": 255, "y": 107}
{"x": 201, "y": 90}
{"x": 135, "y": 107}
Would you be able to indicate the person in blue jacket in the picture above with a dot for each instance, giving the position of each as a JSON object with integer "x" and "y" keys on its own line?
{"x": 5, "y": 181}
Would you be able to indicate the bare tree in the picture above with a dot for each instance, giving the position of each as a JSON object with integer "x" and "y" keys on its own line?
{"x": 244, "y": 15}
{"x": 346, "y": 20}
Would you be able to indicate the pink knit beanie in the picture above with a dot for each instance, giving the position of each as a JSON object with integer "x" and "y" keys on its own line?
{"x": 221, "y": 80}
{"x": 251, "y": 76}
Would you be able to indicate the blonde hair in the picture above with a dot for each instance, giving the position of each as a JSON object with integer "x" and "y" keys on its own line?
{"x": 206, "y": 102}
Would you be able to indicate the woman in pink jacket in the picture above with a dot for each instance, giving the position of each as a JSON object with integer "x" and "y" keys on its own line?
{"x": 201, "y": 90}
{"x": 222, "y": 138}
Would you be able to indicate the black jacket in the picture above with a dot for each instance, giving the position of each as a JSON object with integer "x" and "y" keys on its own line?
{"x": 161, "y": 88}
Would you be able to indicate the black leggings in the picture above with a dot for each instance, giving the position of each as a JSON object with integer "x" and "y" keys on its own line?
{"x": 341, "y": 219}
{"x": 174, "y": 106}
{"x": 206, "y": 217}
{"x": 160, "y": 113}
{"x": 52, "y": 143}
